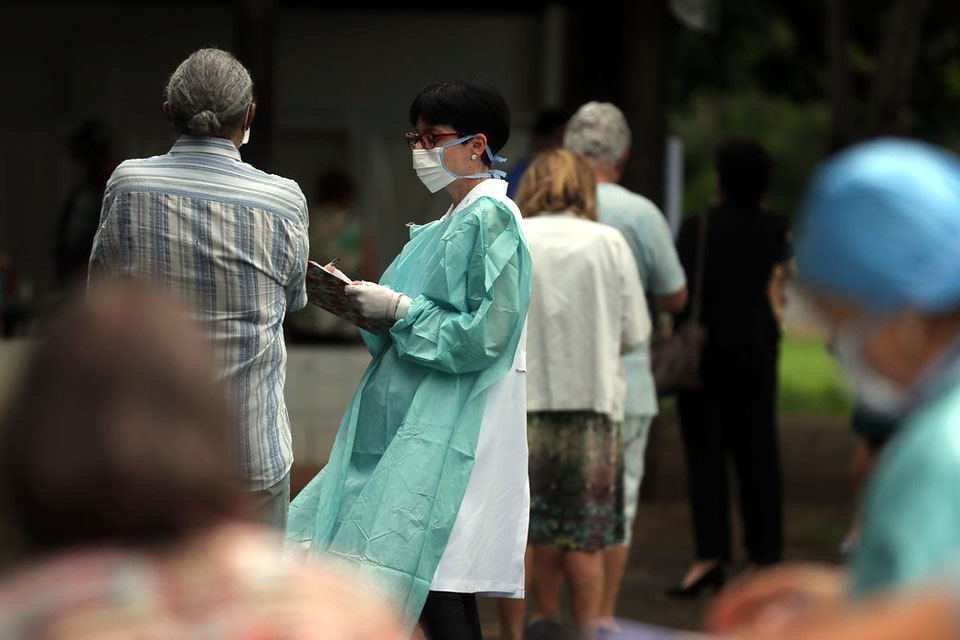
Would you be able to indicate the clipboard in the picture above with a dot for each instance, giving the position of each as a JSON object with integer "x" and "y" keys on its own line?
{"x": 326, "y": 290}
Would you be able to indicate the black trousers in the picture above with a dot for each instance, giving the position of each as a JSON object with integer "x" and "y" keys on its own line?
{"x": 451, "y": 616}
{"x": 735, "y": 413}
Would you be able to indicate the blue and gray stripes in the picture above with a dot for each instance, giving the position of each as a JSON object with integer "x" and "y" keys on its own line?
{"x": 232, "y": 242}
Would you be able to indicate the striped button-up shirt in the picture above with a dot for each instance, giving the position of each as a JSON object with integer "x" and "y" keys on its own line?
{"x": 232, "y": 242}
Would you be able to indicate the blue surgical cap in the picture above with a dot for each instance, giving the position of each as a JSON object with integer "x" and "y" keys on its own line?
{"x": 881, "y": 227}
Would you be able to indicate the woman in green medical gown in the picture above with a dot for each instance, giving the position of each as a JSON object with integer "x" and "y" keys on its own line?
{"x": 426, "y": 487}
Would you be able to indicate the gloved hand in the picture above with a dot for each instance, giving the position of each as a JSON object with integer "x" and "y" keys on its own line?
{"x": 376, "y": 301}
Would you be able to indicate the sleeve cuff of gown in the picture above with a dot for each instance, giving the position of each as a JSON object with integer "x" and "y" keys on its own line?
{"x": 403, "y": 307}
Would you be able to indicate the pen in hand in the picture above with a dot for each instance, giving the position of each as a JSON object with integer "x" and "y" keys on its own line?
{"x": 331, "y": 266}
{"x": 333, "y": 269}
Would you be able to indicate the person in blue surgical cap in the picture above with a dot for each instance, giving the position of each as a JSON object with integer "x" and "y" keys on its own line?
{"x": 426, "y": 488}
{"x": 879, "y": 250}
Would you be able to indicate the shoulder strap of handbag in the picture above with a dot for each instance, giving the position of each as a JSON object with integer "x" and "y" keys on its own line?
{"x": 698, "y": 276}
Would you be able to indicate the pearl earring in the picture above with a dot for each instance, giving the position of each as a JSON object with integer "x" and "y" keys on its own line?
{"x": 473, "y": 156}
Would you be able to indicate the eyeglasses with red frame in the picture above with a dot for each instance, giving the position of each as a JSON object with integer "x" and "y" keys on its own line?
{"x": 428, "y": 139}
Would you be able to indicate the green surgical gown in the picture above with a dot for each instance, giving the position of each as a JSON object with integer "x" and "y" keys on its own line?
{"x": 389, "y": 495}
{"x": 911, "y": 518}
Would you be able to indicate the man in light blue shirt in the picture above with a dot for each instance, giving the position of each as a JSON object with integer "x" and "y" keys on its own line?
{"x": 228, "y": 239}
{"x": 599, "y": 132}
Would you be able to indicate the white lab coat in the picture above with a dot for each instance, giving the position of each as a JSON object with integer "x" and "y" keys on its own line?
{"x": 485, "y": 552}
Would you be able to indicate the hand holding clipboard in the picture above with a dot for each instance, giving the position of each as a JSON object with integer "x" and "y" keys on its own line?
{"x": 325, "y": 288}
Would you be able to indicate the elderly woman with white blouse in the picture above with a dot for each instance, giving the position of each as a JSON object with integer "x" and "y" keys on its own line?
{"x": 587, "y": 309}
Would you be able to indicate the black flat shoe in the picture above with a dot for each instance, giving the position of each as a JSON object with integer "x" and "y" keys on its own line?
{"x": 714, "y": 579}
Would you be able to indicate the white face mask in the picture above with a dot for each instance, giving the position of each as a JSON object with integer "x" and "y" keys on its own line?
{"x": 433, "y": 172}
{"x": 876, "y": 393}
{"x": 428, "y": 163}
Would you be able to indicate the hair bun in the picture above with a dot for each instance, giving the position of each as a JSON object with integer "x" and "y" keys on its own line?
{"x": 204, "y": 123}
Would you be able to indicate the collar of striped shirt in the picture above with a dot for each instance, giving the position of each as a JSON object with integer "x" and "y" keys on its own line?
{"x": 212, "y": 146}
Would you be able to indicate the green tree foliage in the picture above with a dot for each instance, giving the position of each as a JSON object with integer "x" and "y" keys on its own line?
{"x": 764, "y": 73}
{"x": 794, "y": 133}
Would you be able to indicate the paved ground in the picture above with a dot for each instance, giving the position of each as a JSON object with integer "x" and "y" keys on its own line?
{"x": 815, "y": 456}
{"x": 662, "y": 550}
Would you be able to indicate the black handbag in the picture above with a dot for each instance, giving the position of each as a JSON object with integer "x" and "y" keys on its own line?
{"x": 675, "y": 357}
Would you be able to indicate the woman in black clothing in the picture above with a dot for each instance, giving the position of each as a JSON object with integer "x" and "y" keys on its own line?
{"x": 735, "y": 410}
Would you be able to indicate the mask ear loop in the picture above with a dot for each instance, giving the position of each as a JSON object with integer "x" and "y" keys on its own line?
{"x": 493, "y": 173}
{"x": 496, "y": 173}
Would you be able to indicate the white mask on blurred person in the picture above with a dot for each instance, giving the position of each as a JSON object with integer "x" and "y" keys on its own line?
{"x": 875, "y": 392}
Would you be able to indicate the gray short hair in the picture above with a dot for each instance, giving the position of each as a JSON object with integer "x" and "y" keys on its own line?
{"x": 599, "y": 132}
{"x": 209, "y": 93}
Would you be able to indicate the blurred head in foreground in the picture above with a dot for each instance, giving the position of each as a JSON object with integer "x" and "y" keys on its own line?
{"x": 117, "y": 471}
{"x": 878, "y": 247}
{"x": 119, "y": 432}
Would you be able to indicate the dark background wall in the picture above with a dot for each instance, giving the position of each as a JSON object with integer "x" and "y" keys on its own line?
{"x": 334, "y": 90}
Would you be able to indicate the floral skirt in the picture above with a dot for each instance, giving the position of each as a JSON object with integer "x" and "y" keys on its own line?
{"x": 576, "y": 480}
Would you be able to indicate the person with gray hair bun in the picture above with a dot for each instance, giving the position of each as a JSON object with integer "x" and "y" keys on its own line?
{"x": 211, "y": 94}
{"x": 599, "y": 132}
{"x": 229, "y": 239}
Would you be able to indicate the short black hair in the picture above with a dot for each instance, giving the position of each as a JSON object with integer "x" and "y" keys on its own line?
{"x": 745, "y": 169}
{"x": 468, "y": 107}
